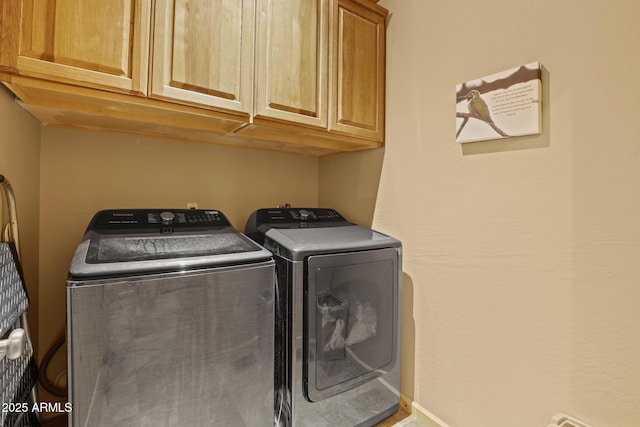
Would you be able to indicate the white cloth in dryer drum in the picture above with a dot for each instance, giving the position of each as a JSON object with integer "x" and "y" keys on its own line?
{"x": 365, "y": 325}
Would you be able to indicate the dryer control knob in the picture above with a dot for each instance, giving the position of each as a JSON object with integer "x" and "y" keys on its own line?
{"x": 304, "y": 214}
{"x": 167, "y": 217}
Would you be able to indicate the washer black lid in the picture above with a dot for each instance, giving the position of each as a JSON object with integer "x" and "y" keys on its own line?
{"x": 124, "y": 241}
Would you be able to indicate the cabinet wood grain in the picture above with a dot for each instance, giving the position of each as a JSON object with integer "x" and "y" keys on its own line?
{"x": 203, "y": 52}
{"x": 91, "y": 43}
{"x": 291, "y": 67}
{"x": 301, "y": 76}
{"x": 358, "y": 55}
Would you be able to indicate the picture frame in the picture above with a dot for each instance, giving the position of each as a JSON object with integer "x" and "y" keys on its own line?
{"x": 501, "y": 105}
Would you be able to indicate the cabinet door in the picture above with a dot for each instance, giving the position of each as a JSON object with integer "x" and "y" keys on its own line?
{"x": 357, "y": 86}
{"x": 92, "y": 43}
{"x": 203, "y": 52}
{"x": 291, "y": 73}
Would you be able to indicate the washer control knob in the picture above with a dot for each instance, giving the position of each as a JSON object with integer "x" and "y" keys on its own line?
{"x": 167, "y": 217}
{"x": 304, "y": 214}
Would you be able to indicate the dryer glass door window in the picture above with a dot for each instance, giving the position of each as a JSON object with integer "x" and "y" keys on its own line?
{"x": 351, "y": 310}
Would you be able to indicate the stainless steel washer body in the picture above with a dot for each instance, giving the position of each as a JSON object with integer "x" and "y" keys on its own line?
{"x": 170, "y": 322}
{"x": 337, "y": 317}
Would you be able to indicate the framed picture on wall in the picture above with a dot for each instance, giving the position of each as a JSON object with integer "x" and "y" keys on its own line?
{"x": 501, "y": 105}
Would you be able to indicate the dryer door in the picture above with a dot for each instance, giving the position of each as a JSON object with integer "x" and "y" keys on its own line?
{"x": 351, "y": 310}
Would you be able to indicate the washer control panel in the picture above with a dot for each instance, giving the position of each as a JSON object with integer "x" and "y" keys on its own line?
{"x": 128, "y": 220}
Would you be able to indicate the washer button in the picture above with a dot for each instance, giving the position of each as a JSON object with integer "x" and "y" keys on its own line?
{"x": 167, "y": 217}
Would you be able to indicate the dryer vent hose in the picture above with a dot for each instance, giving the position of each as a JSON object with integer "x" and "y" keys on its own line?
{"x": 51, "y": 386}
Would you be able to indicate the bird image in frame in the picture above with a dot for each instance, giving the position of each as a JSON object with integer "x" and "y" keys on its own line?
{"x": 478, "y": 109}
{"x": 477, "y": 106}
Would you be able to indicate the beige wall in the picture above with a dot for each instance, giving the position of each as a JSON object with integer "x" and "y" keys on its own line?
{"x": 349, "y": 183}
{"x": 20, "y": 164}
{"x": 83, "y": 172}
{"x": 521, "y": 267}
{"x": 521, "y": 281}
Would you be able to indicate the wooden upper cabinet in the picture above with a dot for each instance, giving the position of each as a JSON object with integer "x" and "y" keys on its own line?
{"x": 291, "y": 67}
{"x": 203, "y": 52}
{"x": 358, "y": 69}
{"x": 303, "y": 76}
{"x": 321, "y": 63}
{"x": 92, "y": 43}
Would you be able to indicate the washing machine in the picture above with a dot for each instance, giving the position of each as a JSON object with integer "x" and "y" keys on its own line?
{"x": 170, "y": 322}
{"x": 338, "y": 314}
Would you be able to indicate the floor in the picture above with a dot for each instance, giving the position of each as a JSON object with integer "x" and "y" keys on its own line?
{"x": 394, "y": 419}
{"x": 410, "y": 421}
{"x": 60, "y": 421}
{"x": 400, "y": 419}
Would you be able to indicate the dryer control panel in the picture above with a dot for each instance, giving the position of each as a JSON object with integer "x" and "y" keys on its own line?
{"x": 262, "y": 220}
{"x": 289, "y": 216}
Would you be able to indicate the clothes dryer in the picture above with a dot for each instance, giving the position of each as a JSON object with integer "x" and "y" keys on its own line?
{"x": 337, "y": 317}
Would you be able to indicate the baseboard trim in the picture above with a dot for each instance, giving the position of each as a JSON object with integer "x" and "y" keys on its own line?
{"x": 420, "y": 412}
{"x": 405, "y": 403}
